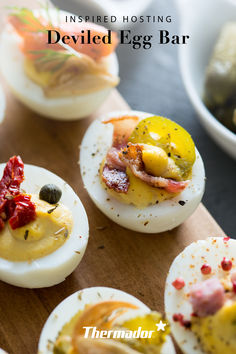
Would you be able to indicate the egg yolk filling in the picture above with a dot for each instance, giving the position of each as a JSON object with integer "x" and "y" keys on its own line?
{"x": 216, "y": 333}
{"x": 149, "y": 161}
{"x": 105, "y": 316}
{"x": 60, "y": 72}
{"x": 41, "y": 237}
{"x": 30, "y": 227}
{"x": 213, "y": 320}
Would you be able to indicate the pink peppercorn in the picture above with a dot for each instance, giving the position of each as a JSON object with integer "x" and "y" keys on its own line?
{"x": 226, "y": 264}
{"x": 178, "y": 317}
{"x": 234, "y": 286}
{"x": 206, "y": 269}
{"x": 178, "y": 283}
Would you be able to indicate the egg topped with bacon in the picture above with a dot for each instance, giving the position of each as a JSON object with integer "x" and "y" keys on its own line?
{"x": 143, "y": 171}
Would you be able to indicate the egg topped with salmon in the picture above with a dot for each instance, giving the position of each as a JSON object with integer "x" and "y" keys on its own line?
{"x": 200, "y": 297}
{"x": 60, "y": 79}
{"x": 143, "y": 171}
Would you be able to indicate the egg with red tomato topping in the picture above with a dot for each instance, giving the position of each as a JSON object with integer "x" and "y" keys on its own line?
{"x": 66, "y": 79}
{"x": 143, "y": 171}
{"x": 43, "y": 226}
{"x": 202, "y": 313}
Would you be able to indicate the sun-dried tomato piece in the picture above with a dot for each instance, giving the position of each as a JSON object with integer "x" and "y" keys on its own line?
{"x": 24, "y": 211}
{"x": 14, "y": 206}
{"x": 13, "y": 176}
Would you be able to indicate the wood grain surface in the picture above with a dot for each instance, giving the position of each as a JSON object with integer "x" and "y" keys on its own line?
{"x": 115, "y": 257}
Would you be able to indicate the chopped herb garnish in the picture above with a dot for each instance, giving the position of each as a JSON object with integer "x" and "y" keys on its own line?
{"x": 26, "y": 234}
{"x": 66, "y": 233}
{"x": 80, "y": 295}
{"x": 52, "y": 210}
{"x": 48, "y": 56}
{"x": 9, "y": 197}
{"x": 60, "y": 230}
{"x": 28, "y": 18}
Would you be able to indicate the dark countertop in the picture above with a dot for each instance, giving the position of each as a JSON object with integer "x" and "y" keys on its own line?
{"x": 151, "y": 82}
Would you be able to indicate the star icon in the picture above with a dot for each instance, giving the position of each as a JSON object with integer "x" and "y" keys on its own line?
{"x": 160, "y": 326}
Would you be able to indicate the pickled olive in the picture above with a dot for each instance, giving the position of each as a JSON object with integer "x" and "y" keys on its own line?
{"x": 50, "y": 193}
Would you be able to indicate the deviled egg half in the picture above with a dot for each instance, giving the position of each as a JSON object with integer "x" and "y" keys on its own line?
{"x": 142, "y": 171}
{"x": 60, "y": 81}
{"x": 104, "y": 321}
{"x": 200, "y": 297}
{"x": 43, "y": 226}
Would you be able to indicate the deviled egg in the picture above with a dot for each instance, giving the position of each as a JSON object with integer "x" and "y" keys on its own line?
{"x": 43, "y": 226}
{"x": 64, "y": 79}
{"x": 200, "y": 297}
{"x": 142, "y": 171}
{"x": 104, "y": 321}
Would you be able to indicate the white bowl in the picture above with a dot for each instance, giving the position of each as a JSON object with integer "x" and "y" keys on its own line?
{"x": 202, "y": 20}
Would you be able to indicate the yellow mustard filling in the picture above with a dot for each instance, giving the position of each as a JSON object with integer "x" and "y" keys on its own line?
{"x": 41, "y": 237}
{"x": 168, "y": 152}
{"x": 139, "y": 193}
{"x": 64, "y": 75}
{"x": 42, "y": 78}
{"x": 217, "y": 333}
{"x": 148, "y": 323}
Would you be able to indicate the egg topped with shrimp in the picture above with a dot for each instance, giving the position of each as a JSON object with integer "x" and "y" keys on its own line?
{"x": 151, "y": 176}
{"x": 56, "y": 79}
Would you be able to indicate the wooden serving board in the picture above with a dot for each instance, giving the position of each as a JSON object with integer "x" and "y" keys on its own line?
{"x": 115, "y": 257}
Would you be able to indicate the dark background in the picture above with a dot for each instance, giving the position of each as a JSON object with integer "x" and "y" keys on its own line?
{"x": 151, "y": 82}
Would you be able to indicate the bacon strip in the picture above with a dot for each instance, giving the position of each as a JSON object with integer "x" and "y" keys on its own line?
{"x": 123, "y": 128}
{"x": 113, "y": 160}
{"x": 119, "y": 157}
{"x": 113, "y": 174}
{"x": 115, "y": 179}
{"x": 131, "y": 156}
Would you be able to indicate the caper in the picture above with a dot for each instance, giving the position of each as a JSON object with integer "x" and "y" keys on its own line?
{"x": 50, "y": 193}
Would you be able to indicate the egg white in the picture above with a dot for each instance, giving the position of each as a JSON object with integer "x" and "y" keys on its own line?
{"x": 55, "y": 267}
{"x": 161, "y": 217}
{"x": 213, "y": 249}
{"x": 76, "y": 302}
{"x": 2, "y": 104}
{"x": 31, "y": 94}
